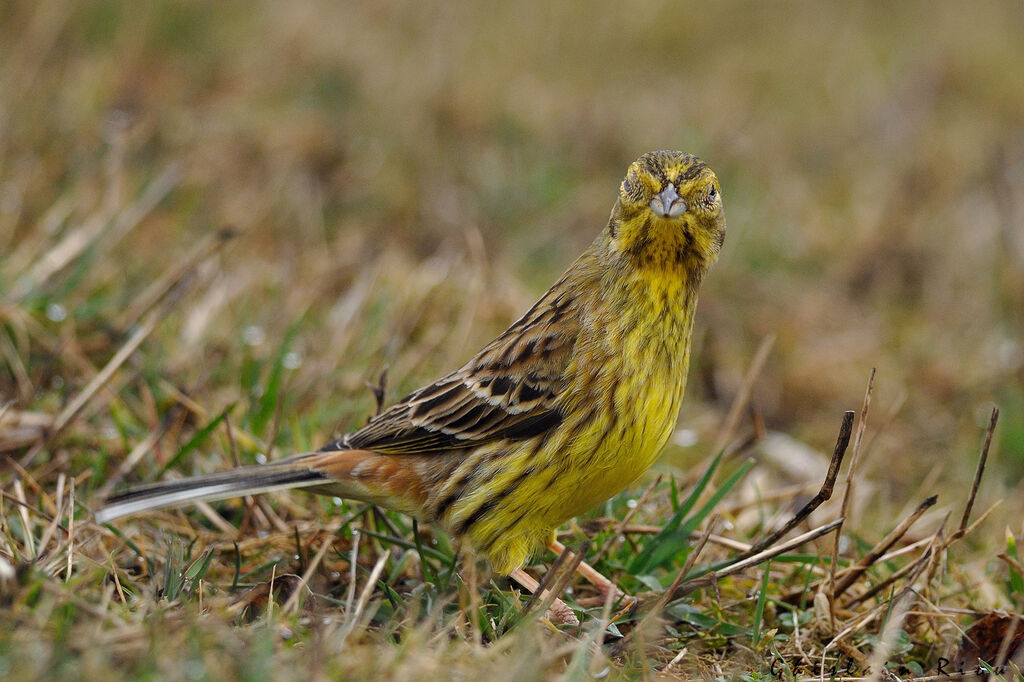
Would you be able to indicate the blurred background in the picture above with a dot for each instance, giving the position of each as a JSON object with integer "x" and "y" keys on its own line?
{"x": 405, "y": 178}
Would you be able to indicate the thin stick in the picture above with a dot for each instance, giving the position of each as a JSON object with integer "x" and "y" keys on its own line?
{"x": 276, "y": 424}
{"x": 564, "y": 577}
{"x": 71, "y": 531}
{"x": 913, "y": 546}
{"x": 216, "y": 519}
{"x": 123, "y": 353}
{"x": 1011, "y": 562}
{"x": 851, "y": 575}
{"x": 473, "y": 593}
{"x": 558, "y": 608}
{"x": 22, "y": 503}
{"x": 842, "y": 442}
{"x": 732, "y": 420}
{"x": 545, "y": 579}
{"x": 51, "y": 529}
{"x": 379, "y": 391}
{"x": 714, "y": 576}
{"x": 993, "y": 420}
{"x": 898, "y": 575}
{"x": 848, "y": 490}
{"x": 25, "y": 523}
{"x": 353, "y": 563}
{"x": 692, "y": 559}
{"x": 232, "y": 445}
{"x": 606, "y": 619}
{"x": 862, "y": 424}
{"x": 270, "y": 595}
{"x": 864, "y": 620}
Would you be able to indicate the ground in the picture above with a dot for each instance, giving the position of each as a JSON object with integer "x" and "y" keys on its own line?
{"x": 220, "y": 223}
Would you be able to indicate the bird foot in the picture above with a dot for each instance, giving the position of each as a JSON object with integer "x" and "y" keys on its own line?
{"x": 606, "y": 588}
{"x": 559, "y": 612}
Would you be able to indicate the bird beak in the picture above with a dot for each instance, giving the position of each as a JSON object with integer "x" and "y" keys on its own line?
{"x": 667, "y": 203}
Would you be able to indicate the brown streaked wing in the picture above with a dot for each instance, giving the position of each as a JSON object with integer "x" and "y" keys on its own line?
{"x": 508, "y": 391}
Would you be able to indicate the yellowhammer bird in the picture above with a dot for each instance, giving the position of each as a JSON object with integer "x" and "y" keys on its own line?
{"x": 564, "y": 409}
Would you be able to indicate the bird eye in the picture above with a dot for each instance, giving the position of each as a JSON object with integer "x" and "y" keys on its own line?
{"x": 711, "y": 193}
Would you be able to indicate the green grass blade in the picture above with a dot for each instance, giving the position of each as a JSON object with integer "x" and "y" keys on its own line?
{"x": 643, "y": 561}
{"x": 267, "y": 404}
{"x": 671, "y": 541}
{"x": 759, "y": 609}
{"x": 194, "y": 442}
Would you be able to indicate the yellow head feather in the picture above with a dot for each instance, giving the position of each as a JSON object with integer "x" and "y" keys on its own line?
{"x": 689, "y": 233}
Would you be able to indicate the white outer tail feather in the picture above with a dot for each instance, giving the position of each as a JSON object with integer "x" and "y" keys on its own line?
{"x": 221, "y": 486}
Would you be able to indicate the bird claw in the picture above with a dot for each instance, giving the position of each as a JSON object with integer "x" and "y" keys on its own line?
{"x": 559, "y": 613}
{"x": 604, "y": 586}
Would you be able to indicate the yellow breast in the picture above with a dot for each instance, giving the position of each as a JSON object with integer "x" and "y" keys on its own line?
{"x": 624, "y": 386}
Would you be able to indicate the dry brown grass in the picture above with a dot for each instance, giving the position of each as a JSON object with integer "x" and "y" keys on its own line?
{"x": 402, "y": 179}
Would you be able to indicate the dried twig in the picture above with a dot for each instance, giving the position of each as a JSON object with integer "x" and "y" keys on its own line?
{"x": 882, "y": 585}
{"x": 823, "y": 494}
{"x": 663, "y": 599}
{"x": 850, "y": 576}
{"x": 564, "y": 577}
{"x": 538, "y": 590}
{"x": 850, "y": 480}
{"x": 993, "y": 420}
{"x": 379, "y": 391}
{"x": 770, "y": 553}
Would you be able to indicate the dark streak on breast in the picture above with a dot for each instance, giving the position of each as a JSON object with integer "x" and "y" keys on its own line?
{"x": 491, "y": 503}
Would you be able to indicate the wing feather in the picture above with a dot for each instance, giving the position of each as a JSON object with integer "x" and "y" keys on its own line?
{"x": 509, "y": 390}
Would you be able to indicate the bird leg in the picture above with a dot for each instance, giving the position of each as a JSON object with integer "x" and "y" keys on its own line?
{"x": 559, "y": 612}
{"x": 594, "y": 577}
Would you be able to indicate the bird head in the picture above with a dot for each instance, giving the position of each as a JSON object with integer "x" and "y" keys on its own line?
{"x": 669, "y": 212}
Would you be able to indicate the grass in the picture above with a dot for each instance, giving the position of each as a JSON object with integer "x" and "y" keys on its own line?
{"x": 221, "y": 223}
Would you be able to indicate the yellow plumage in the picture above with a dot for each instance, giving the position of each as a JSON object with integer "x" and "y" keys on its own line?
{"x": 563, "y": 410}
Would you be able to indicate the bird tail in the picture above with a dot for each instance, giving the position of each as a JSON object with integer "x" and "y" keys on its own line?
{"x": 304, "y": 471}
